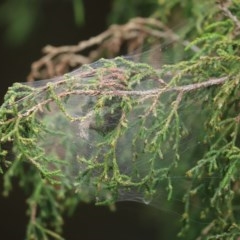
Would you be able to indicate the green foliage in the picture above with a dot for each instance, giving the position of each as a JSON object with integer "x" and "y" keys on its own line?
{"x": 172, "y": 12}
{"x": 116, "y": 128}
{"x": 124, "y": 10}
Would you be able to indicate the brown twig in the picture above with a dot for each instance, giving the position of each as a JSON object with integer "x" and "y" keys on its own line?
{"x": 206, "y": 230}
{"x": 59, "y": 60}
{"x": 223, "y": 5}
{"x": 33, "y": 212}
{"x": 103, "y": 92}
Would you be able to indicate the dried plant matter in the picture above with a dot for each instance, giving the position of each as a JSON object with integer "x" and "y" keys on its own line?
{"x": 132, "y": 35}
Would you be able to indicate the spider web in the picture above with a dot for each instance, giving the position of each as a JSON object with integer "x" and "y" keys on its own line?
{"x": 77, "y": 142}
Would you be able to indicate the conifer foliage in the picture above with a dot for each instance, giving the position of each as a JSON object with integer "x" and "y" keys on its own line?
{"x": 121, "y": 129}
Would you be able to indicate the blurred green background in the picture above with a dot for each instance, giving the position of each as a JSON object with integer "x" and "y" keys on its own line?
{"x": 26, "y": 26}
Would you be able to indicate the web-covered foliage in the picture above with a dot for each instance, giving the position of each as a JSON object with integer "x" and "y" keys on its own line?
{"x": 120, "y": 130}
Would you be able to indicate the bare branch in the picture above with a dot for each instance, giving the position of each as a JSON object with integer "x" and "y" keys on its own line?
{"x": 150, "y": 93}
{"x": 223, "y": 5}
{"x": 59, "y": 60}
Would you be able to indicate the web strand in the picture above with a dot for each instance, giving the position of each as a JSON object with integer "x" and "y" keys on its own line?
{"x": 117, "y": 131}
